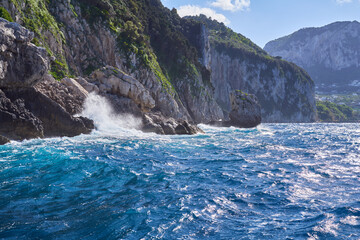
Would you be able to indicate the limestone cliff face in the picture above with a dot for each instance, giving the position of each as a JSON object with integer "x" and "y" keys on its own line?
{"x": 174, "y": 65}
{"x": 285, "y": 95}
{"x": 21, "y": 64}
{"x": 284, "y": 91}
{"x": 27, "y": 112}
{"x": 84, "y": 36}
{"x": 330, "y": 54}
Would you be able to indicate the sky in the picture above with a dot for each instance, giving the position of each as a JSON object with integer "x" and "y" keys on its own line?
{"x": 266, "y": 20}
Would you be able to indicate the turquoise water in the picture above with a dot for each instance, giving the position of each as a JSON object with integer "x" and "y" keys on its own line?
{"x": 286, "y": 181}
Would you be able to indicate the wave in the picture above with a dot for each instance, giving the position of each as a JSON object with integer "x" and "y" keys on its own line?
{"x": 106, "y": 121}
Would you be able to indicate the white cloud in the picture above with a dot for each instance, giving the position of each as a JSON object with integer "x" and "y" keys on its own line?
{"x": 235, "y": 5}
{"x": 343, "y": 1}
{"x": 192, "y": 10}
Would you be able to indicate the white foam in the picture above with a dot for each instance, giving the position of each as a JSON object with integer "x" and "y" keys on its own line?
{"x": 106, "y": 121}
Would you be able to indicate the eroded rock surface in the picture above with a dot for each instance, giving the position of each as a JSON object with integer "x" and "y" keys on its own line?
{"x": 17, "y": 122}
{"x": 27, "y": 111}
{"x": 114, "y": 81}
{"x": 245, "y": 111}
{"x": 22, "y": 64}
{"x": 156, "y": 122}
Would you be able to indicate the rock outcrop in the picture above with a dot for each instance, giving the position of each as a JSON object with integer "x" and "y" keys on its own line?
{"x": 56, "y": 121}
{"x": 22, "y": 64}
{"x": 173, "y": 75}
{"x": 69, "y": 97}
{"x": 155, "y": 122}
{"x": 113, "y": 81}
{"x": 128, "y": 96}
{"x": 330, "y": 54}
{"x": 284, "y": 91}
{"x": 3, "y": 140}
{"x": 26, "y": 112}
{"x": 17, "y": 122}
{"x": 245, "y": 111}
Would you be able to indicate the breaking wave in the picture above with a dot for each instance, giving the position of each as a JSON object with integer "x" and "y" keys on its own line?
{"x": 98, "y": 108}
{"x": 277, "y": 181}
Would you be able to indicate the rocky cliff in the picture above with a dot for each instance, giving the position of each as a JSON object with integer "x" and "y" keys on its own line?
{"x": 330, "y": 54}
{"x": 149, "y": 62}
{"x": 26, "y": 112}
{"x": 136, "y": 37}
{"x": 285, "y": 91}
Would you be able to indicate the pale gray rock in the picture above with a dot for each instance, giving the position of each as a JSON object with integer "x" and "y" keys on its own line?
{"x": 89, "y": 87}
{"x": 75, "y": 86}
{"x": 22, "y": 64}
{"x": 330, "y": 54}
{"x": 284, "y": 91}
{"x": 113, "y": 81}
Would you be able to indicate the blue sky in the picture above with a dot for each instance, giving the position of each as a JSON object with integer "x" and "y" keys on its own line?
{"x": 265, "y": 20}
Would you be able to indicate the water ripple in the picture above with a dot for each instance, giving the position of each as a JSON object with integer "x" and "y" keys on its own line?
{"x": 283, "y": 181}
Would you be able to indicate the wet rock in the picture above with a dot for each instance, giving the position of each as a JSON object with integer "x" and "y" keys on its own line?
{"x": 185, "y": 128}
{"x": 17, "y": 122}
{"x": 150, "y": 126}
{"x": 71, "y": 99}
{"x": 56, "y": 121}
{"x": 3, "y": 140}
{"x": 156, "y": 122}
{"x": 245, "y": 111}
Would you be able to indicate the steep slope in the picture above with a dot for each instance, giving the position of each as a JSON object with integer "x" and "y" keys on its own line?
{"x": 330, "y": 54}
{"x": 184, "y": 72}
{"x": 140, "y": 38}
{"x": 285, "y": 91}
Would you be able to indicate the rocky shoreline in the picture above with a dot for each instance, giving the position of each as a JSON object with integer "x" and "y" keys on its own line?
{"x": 170, "y": 76}
{"x": 34, "y": 105}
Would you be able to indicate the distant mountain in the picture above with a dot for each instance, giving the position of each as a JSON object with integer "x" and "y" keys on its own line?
{"x": 330, "y": 54}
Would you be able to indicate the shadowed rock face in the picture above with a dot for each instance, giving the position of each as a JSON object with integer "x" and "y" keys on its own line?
{"x": 55, "y": 120}
{"x": 245, "y": 111}
{"x": 17, "y": 122}
{"x": 156, "y": 122}
{"x": 24, "y": 111}
{"x": 3, "y": 140}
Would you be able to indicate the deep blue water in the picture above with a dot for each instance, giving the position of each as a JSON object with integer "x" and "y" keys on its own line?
{"x": 285, "y": 181}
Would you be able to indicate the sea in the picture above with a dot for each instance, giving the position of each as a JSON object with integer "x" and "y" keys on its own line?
{"x": 275, "y": 181}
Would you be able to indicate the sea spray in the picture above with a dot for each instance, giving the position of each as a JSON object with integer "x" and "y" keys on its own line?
{"x": 278, "y": 181}
{"x": 99, "y": 109}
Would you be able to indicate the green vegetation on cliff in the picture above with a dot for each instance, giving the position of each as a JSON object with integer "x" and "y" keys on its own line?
{"x": 5, "y": 14}
{"x": 150, "y": 32}
{"x": 35, "y": 15}
{"x": 265, "y": 68}
{"x": 224, "y": 36}
{"x": 332, "y": 112}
